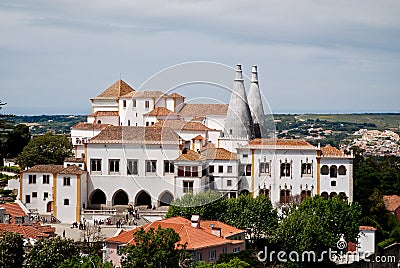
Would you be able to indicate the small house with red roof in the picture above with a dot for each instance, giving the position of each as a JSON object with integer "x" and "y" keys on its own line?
{"x": 205, "y": 241}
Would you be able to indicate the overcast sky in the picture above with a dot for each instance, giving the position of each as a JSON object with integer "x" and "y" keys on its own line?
{"x": 313, "y": 56}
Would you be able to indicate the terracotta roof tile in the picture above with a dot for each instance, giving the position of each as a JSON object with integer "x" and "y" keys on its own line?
{"x": 182, "y": 125}
{"x": 203, "y": 109}
{"x": 14, "y": 210}
{"x": 281, "y": 143}
{"x": 176, "y": 95}
{"x": 194, "y": 238}
{"x": 331, "y": 151}
{"x": 198, "y": 137}
{"x": 140, "y": 135}
{"x": 366, "y": 228}
{"x": 226, "y": 230}
{"x": 89, "y": 126}
{"x": 392, "y": 202}
{"x": 189, "y": 156}
{"x": 218, "y": 154}
{"x": 72, "y": 169}
{"x": 160, "y": 111}
{"x": 104, "y": 113}
{"x": 27, "y": 231}
{"x": 116, "y": 90}
{"x": 45, "y": 169}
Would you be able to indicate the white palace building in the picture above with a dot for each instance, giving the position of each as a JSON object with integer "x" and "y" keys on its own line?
{"x": 146, "y": 148}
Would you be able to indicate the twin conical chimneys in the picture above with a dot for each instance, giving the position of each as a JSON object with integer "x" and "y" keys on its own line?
{"x": 243, "y": 111}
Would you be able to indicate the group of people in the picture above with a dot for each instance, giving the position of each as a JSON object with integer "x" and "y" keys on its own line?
{"x": 81, "y": 225}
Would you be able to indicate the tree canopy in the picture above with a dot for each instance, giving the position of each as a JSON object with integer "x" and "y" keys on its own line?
{"x": 45, "y": 149}
{"x": 17, "y": 139}
{"x": 50, "y": 253}
{"x": 11, "y": 250}
{"x": 155, "y": 248}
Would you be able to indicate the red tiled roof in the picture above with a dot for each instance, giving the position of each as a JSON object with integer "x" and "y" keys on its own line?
{"x": 194, "y": 238}
{"x": 45, "y": 169}
{"x": 226, "y": 230}
{"x": 161, "y": 111}
{"x": 218, "y": 154}
{"x": 366, "y": 228}
{"x": 203, "y": 109}
{"x": 116, "y": 90}
{"x": 104, "y": 113}
{"x": 14, "y": 210}
{"x": 176, "y": 95}
{"x": 198, "y": 137}
{"x": 181, "y": 125}
{"x": 142, "y": 135}
{"x": 74, "y": 160}
{"x": 27, "y": 231}
{"x": 331, "y": 151}
{"x": 72, "y": 169}
{"x": 392, "y": 202}
{"x": 190, "y": 155}
{"x": 145, "y": 94}
{"x": 89, "y": 126}
{"x": 281, "y": 143}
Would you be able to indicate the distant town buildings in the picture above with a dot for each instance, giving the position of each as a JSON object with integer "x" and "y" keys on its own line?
{"x": 377, "y": 143}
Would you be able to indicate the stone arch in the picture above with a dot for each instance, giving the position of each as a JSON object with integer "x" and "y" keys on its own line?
{"x": 325, "y": 195}
{"x": 143, "y": 199}
{"x": 165, "y": 199}
{"x": 333, "y": 194}
{"x": 98, "y": 197}
{"x": 244, "y": 192}
{"x": 49, "y": 206}
{"x": 120, "y": 197}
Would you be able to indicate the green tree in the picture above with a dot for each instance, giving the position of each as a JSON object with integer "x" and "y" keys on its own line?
{"x": 89, "y": 261}
{"x": 50, "y": 253}
{"x": 17, "y": 139}
{"x": 233, "y": 263}
{"x": 317, "y": 225}
{"x": 11, "y": 250}
{"x": 45, "y": 149}
{"x": 209, "y": 205}
{"x": 155, "y": 248}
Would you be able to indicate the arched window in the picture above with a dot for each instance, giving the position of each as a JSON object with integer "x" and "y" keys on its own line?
{"x": 333, "y": 171}
{"x": 342, "y": 170}
{"x": 324, "y": 170}
{"x": 98, "y": 121}
{"x": 325, "y": 195}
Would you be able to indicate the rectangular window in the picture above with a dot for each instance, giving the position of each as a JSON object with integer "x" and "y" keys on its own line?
{"x": 224, "y": 250}
{"x": 333, "y": 183}
{"x": 46, "y": 179}
{"x": 45, "y": 195}
{"x": 212, "y": 255}
{"x": 32, "y": 179}
{"x": 151, "y": 166}
{"x": 124, "y": 103}
{"x": 199, "y": 257}
{"x": 285, "y": 170}
{"x": 248, "y": 170}
{"x": 245, "y": 155}
{"x": 147, "y": 104}
{"x": 211, "y": 169}
{"x": 229, "y": 182}
{"x": 195, "y": 172}
{"x": 27, "y": 198}
{"x": 169, "y": 167}
{"x": 66, "y": 202}
{"x": 132, "y": 167}
{"x": 236, "y": 250}
{"x": 34, "y": 194}
{"x": 188, "y": 187}
{"x": 67, "y": 181}
{"x": 220, "y": 169}
{"x": 113, "y": 166}
{"x": 95, "y": 164}
{"x": 229, "y": 169}
{"x": 134, "y": 105}
{"x": 264, "y": 168}
{"x": 181, "y": 171}
{"x": 306, "y": 169}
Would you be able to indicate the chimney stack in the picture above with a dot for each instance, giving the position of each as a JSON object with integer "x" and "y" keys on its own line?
{"x": 215, "y": 230}
{"x": 256, "y": 106}
{"x": 195, "y": 221}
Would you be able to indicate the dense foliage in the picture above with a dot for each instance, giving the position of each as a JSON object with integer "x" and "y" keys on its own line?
{"x": 155, "y": 248}
{"x": 50, "y": 253}
{"x": 45, "y": 149}
{"x": 11, "y": 250}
